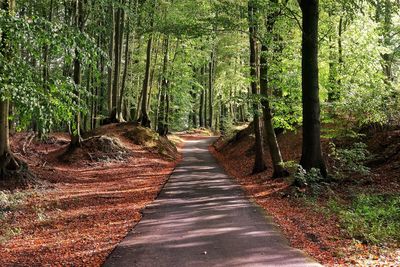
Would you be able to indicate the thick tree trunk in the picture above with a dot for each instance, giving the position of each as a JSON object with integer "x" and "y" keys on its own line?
{"x": 276, "y": 156}
{"x": 259, "y": 163}
{"x": 311, "y": 152}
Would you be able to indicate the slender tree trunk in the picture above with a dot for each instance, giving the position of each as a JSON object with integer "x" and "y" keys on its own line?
{"x": 76, "y": 138}
{"x": 259, "y": 164}
{"x": 202, "y": 96}
{"x": 340, "y": 52}
{"x": 194, "y": 111}
{"x": 110, "y": 66}
{"x": 125, "y": 74}
{"x": 311, "y": 153}
{"x": 388, "y": 57}
{"x": 205, "y": 97}
{"x": 276, "y": 156}
{"x": 119, "y": 25}
{"x": 210, "y": 90}
{"x": 153, "y": 70}
{"x": 162, "y": 115}
{"x": 201, "y": 109}
{"x": 144, "y": 119}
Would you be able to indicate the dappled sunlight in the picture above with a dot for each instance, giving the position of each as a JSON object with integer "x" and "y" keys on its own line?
{"x": 202, "y": 218}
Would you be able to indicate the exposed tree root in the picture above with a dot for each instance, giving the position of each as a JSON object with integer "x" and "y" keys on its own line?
{"x": 15, "y": 174}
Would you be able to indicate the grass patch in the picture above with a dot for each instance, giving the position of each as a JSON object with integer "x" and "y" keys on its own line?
{"x": 373, "y": 218}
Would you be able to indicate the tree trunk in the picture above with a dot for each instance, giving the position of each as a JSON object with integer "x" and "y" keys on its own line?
{"x": 332, "y": 89}
{"x": 124, "y": 76}
{"x": 210, "y": 90}
{"x": 162, "y": 127}
{"x": 276, "y": 156}
{"x": 144, "y": 119}
{"x": 259, "y": 164}
{"x": 110, "y": 67}
{"x": 119, "y": 25}
{"x": 311, "y": 151}
{"x": 76, "y": 138}
{"x": 202, "y": 96}
{"x": 340, "y": 55}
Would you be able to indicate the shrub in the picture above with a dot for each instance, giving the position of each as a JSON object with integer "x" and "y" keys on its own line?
{"x": 349, "y": 160}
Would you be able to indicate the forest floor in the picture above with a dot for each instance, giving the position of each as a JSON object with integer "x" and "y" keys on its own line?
{"x": 90, "y": 199}
{"x": 311, "y": 222}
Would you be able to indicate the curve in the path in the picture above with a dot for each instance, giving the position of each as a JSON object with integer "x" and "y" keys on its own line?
{"x": 202, "y": 218}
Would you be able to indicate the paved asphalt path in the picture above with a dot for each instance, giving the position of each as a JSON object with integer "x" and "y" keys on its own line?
{"x": 202, "y": 218}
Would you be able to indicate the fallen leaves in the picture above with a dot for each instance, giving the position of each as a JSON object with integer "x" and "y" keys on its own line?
{"x": 306, "y": 224}
{"x": 89, "y": 210}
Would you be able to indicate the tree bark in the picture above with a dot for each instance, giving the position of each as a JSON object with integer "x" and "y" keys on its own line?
{"x": 144, "y": 119}
{"x": 125, "y": 74}
{"x": 259, "y": 163}
{"x": 311, "y": 149}
{"x": 276, "y": 156}
{"x": 210, "y": 90}
{"x": 110, "y": 66}
{"x": 76, "y": 138}
{"x": 162, "y": 127}
{"x": 202, "y": 96}
{"x": 119, "y": 26}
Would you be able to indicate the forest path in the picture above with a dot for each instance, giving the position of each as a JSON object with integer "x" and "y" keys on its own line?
{"x": 203, "y": 218}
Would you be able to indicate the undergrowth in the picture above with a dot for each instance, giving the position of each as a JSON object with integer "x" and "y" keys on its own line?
{"x": 373, "y": 218}
{"x": 10, "y": 202}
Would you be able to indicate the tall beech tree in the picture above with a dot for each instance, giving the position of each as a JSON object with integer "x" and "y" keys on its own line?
{"x": 144, "y": 118}
{"x": 265, "y": 90}
{"x": 259, "y": 163}
{"x": 311, "y": 149}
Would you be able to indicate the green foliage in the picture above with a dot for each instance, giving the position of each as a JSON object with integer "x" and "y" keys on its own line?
{"x": 305, "y": 178}
{"x": 348, "y": 161}
{"x": 373, "y": 218}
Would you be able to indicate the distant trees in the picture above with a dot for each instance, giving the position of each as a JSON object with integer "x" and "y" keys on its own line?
{"x": 180, "y": 64}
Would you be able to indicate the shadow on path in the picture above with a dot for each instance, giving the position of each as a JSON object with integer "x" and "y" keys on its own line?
{"x": 202, "y": 218}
